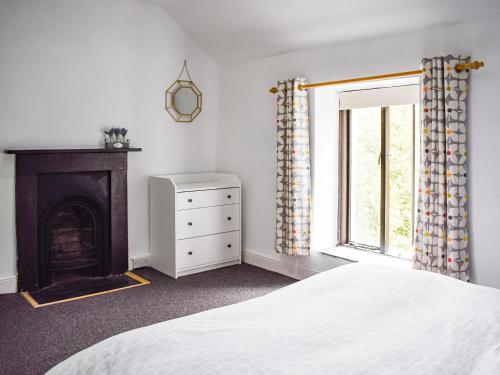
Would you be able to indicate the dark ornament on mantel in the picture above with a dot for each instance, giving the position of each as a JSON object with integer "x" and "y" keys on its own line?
{"x": 116, "y": 138}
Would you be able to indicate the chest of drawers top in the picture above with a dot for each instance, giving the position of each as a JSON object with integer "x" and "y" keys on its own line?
{"x": 183, "y": 183}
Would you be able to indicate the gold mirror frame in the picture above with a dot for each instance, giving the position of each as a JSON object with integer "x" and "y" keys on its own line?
{"x": 172, "y": 91}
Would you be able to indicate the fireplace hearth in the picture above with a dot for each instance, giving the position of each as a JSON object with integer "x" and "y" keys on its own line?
{"x": 71, "y": 215}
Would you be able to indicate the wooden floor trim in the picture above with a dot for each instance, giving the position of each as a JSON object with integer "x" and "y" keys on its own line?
{"x": 139, "y": 279}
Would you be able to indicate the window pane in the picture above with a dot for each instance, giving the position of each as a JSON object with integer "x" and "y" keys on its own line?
{"x": 401, "y": 180}
{"x": 364, "y": 169}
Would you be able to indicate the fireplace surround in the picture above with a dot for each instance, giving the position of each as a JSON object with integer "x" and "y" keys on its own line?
{"x": 71, "y": 215}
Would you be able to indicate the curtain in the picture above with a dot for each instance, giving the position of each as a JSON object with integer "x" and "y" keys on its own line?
{"x": 441, "y": 244}
{"x": 293, "y": 198}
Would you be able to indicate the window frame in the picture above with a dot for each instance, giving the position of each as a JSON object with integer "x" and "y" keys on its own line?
{"x": 343, "y": 226}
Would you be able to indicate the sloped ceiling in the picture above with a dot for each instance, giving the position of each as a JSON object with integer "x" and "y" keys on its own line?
{"x": 236, "y": 30}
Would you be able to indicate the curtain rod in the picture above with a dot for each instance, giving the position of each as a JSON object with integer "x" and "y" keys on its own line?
{"x": 459, "y": 68}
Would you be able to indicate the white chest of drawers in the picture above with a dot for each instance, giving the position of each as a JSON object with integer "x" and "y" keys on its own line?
{"x": 194, "y": 222}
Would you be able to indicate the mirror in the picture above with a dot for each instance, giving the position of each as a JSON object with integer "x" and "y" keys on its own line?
{"x": 183, "y": 98}
{"x": 183, "y": 101}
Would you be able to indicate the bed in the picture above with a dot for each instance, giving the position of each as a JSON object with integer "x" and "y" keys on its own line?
{"x": 356, "y": 319}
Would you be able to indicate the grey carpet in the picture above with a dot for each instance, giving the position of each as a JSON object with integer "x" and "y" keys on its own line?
{"x": 34, "y": 340}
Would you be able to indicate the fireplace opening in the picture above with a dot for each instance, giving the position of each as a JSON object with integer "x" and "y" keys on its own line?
{"x": 73, "y": 233}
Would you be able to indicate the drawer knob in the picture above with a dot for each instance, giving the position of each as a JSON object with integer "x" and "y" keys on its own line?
{"x": 229, "y": 245}
{"x": 229, "y": 217}
{"x": 229, "y": 196}
{"x": 190, "y": 223}
{"x": 190, "y": 253}
{"x": 190, "y": 200}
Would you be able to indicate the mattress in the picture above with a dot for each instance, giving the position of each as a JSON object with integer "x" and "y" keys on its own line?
{"x": 355, "y": 319}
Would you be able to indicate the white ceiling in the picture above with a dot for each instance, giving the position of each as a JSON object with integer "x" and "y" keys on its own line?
{"x": 236, "y": 30}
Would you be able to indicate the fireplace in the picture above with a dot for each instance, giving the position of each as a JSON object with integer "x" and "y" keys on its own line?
{"x": 71, "y": 215}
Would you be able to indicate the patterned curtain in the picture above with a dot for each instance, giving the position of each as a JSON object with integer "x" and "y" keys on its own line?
{"x": 293, "y": 199}
{"x": 441, "y": 232}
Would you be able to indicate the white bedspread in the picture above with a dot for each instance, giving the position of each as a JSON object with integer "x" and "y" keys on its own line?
{"x": 355, "y": 319}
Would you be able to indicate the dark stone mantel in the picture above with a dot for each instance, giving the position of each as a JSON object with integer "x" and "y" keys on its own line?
{"x": 27, "y": 151}
{"x": 47, "y": 177}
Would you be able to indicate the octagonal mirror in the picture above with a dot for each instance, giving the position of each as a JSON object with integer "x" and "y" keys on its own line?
{"x": 183, "y": 101}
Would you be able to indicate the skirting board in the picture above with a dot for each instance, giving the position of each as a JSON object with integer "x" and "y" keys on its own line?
{"x": 138, "y": 261}
{"x": 270, "y": 264}
{"x": 8, "y": 285}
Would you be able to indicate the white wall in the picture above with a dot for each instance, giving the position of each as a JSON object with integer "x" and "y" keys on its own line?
{"x": 69, "y": 68}
{"x": 247, "y": 136}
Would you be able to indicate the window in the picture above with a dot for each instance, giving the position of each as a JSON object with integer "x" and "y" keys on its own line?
{"x": 378, "y": 151}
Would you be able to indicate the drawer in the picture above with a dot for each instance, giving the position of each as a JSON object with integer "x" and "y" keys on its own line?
{"x": 208, "y": 220}
{"x": 206, "y": 198}
{"x": 209, "y": 249}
